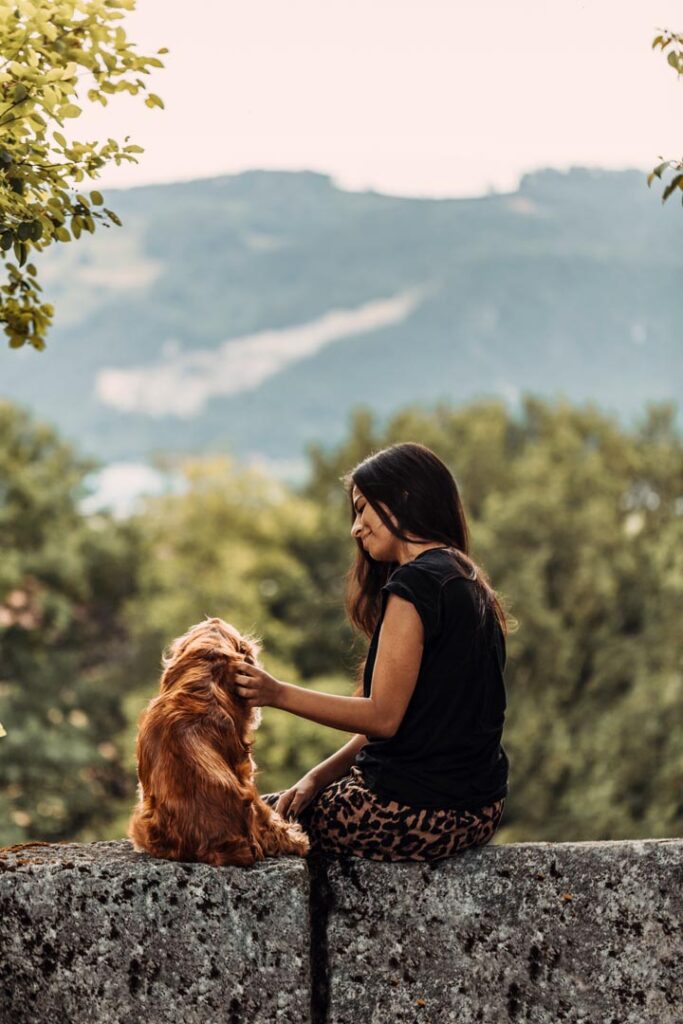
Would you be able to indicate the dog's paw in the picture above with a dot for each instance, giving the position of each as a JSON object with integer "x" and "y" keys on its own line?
{"x": 300, "y": 844}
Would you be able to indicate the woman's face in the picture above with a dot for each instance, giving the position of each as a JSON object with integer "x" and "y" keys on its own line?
{"x": 378, "y": 541}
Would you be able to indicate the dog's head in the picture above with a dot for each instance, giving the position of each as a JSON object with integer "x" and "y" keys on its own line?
{"x": 205, "y": 657}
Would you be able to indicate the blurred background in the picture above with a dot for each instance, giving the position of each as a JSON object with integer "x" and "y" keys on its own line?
{"x": 354, "y": 225}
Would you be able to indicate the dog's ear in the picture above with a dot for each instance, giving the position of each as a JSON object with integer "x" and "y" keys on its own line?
{"x": 219, "y": 666}
{"x": 249, "y": 649}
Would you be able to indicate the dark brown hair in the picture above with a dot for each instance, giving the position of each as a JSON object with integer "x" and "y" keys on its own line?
{"x": 422, "y": 495}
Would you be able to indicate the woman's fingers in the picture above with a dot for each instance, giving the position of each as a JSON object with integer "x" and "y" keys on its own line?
{"x": 296, "y": 807}
{"x": 283, "y": 805}
{"x": 246, "y": 684}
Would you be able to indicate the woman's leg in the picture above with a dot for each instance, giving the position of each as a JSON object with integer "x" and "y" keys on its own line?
{"x": 348, "y": 818}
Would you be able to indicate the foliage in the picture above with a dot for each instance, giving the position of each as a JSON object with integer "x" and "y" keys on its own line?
{"x": 673, "y": 42}
{"x": 577, "y": 520}
{"x": 237, "y": 544}
{"x": 50, "y": 48}
{"x": 62, "y": 646}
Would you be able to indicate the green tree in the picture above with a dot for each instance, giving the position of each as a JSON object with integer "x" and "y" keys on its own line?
{"x": 578, "y": 521}
{"x": 673, "y": 43}
{"x": 63, "y": 649}
{"x": 53, "y": 52}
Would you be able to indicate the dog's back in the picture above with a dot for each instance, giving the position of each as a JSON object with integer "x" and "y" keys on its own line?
{"x": 197, "y": 797}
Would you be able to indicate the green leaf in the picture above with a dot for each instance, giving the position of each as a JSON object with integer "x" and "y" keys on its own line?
{"x": 676, "y": 182}
{"x": 113, "y": 217}
{"x": 52, "y": 53}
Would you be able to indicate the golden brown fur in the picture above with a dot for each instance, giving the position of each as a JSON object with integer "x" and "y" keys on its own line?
{"x": 197, "y": 798}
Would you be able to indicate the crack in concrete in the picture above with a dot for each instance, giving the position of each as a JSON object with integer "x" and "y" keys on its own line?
{"x": 321, "y": 901}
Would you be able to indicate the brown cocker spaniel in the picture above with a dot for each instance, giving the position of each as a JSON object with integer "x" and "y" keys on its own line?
{"x": 197, "y": 798}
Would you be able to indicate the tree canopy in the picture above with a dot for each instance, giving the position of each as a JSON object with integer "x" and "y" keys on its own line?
{"x": 54, "y": 53}
{"x": 577, "y": 520}
{"x": 63, "y": 580}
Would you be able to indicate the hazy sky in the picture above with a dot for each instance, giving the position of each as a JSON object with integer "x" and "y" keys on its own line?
{"x": 413, "y": 97}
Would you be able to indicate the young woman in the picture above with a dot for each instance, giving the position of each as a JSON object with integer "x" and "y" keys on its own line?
{"x": 425, "y": 774}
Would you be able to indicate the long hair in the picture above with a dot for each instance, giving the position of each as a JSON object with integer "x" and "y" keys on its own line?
{"x": 197, "y": 797}
{"x": 421, "y": 493}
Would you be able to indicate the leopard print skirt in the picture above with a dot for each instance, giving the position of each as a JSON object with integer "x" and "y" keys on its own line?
{"x": 348, "y": 818}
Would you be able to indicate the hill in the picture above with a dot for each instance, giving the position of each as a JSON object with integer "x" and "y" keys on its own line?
{"x": 253, "y": 311}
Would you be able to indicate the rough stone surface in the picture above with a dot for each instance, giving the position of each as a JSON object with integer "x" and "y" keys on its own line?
{"x": 532, "y": 932}
{"x": 529, "y": 933}
{"x": 98, "y": 933}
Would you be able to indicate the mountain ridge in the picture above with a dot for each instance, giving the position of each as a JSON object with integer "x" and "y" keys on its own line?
{"x": 570, "y": 285}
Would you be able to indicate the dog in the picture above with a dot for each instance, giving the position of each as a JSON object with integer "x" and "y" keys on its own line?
{"x": 197, "y": 800}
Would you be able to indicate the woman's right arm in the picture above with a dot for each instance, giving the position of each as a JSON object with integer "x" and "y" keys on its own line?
{"x": 339, "y": 763}
{"x": 293, "y": 800}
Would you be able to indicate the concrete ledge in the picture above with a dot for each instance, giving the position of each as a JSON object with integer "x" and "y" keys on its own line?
{"x": 97, "y": 933}
{"x": 530, "y": 933}
{"x": 540, "y": 933}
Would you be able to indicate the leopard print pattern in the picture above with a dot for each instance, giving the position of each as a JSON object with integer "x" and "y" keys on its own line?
{"x": 348, "y": 818}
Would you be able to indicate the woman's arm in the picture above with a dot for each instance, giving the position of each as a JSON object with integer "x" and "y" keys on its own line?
{"x": 292, "y": 801}
{"x": 338, "y": 763}
{"x": 399, "y": 653}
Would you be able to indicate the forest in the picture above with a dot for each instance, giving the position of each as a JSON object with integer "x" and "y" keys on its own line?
{"x": 577, "y": 519}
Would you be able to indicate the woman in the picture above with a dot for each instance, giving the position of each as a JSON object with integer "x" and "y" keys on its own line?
{"x": 425, "y": 775}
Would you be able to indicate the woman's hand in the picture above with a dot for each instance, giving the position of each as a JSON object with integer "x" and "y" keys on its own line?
{"x": 292, "y": 801}
{"x": 257, "y": 688}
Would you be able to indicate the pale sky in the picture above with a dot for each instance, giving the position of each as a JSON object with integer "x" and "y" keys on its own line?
{"x": 410, "y": 97}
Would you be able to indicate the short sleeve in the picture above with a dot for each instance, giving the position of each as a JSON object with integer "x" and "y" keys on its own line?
{"x": 422, "y": 590}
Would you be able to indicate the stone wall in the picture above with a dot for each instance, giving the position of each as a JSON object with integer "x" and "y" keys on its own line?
{"x": 532, "y": 932}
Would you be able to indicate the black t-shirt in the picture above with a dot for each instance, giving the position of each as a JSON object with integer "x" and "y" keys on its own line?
{"x": 447, "y": 751}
